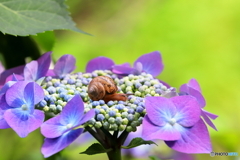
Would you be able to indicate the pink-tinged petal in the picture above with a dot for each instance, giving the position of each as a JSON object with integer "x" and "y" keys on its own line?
{"x": 33, "y": 93}
{"x": 54, "y": 145}
{"x": 151, "y": 62}
{"x": 193, "y": 83}
{"x": 188, "y": 109}
{"x": 65, "y": 64}
{"x": 194, "y": 140}
{"x": 3, "y": 123}
{"x": 166, "y": 132}
{"x": 122, "y": 70}
{"x": 208, "y": 121}
{"x": 87, "y": 116}
{"x": 159, "y": 110}
{"x": 22, "y": 122}
{"x": 52, "y": 128}
{"x": 198, "y": 96}
{"x": 44, "y": 63}
{"x": 14, "y": 95}
{"x": 31, "y": 71}
{"x": 210, "y": 115}
{"x": 6, "y": 87}
{"x": 8, "y": 72}
{"x": 99, "y": 63}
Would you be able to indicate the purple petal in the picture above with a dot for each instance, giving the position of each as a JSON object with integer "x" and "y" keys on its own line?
{"x": 210, "y": 115}
{"x": 166, "y": 132}
{"x": 193, "y": 83}
{"x": 52, "y": 128}
{"x": 6, "y": 73}
{"x": 2, "y": 68}
{"x": 51, "y": 72}
{"x": 14, "y": 95}
{"x": 44, "y": 63}
{"x": 31, "y": 71}
{"x": 87, "y": 116}
{"x": 151, "y": 62}
{"x": 188, "y": 110}
{"x": 66, "y": 64}
{"x": 159, "y": 110}
{"x": 125, "y": 65}
{"x": 198, "y": 96}
{"x": 99, "y": 63}
{"x": 208, "y": 121}
{"x": 194, "y": 140}
{"x": 15, "y": 77}
{"x": 22, "y": 122}
{"x": 54, "y": 145}
{"x": 73, "y": 112}
{"x": 3, "y": 123}
{"x": 138, "y": 68}
{"x": 33, "y": 93}
{"x": 122, "y": 70}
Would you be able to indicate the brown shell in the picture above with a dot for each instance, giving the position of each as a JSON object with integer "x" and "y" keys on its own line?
{"x": 100, "y": 86}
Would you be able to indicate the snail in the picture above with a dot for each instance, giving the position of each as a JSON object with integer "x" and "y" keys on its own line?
{"x": 103, "y": 87}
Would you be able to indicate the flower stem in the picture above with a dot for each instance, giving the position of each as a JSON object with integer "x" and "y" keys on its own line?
{"x": 115, "y": 154}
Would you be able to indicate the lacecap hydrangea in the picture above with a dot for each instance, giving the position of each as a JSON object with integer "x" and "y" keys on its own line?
{"x": 34, "y": 92}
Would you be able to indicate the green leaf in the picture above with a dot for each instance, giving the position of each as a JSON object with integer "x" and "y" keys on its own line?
{"x": 137, "y": 142}
{"x": 95, "y": 148}
{"x": 29, "y": 17}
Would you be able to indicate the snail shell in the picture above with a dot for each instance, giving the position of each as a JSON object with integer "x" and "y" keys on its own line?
{"x": 103, "y": 87}
{"x": 100, "y": 86}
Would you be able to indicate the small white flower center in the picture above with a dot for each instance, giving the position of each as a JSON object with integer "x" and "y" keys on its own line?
{"x": 69, "y": 125}
{"x": 172, "y": 121}
{"x": 24, "y": 107}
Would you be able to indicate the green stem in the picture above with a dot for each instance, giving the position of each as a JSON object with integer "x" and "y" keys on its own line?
{"x": 115, "y": 154}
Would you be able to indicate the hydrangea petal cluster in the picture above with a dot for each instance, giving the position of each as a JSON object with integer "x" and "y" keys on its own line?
{"x": 176, "y": 121}
{"x": 59, "y": 131}
{"x": 149, "y": 63}
{"x": 19, "y": 109}
{"x": 193, "y": 88}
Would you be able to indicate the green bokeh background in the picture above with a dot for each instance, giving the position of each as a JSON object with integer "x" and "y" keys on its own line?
{"x": 197, "y": 39}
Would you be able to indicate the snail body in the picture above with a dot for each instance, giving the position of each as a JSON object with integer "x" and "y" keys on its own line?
{"x": 103, "y": 87}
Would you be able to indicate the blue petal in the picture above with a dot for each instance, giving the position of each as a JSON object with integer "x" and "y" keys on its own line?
{"x": 22, "y": 122}
{"x": 123, "y": 70}
{"x": 33, "y": 94}
{"x": 6, "y": 73}
{"x": 3, "y": 123}
{"x": 73, "y": 112}
{"x": 15, "y": 95}
{"x": 43, "y": 64}
{"x": 54, "y": 145}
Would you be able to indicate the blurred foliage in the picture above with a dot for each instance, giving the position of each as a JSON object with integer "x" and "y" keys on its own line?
{"x": 197, "y": 39}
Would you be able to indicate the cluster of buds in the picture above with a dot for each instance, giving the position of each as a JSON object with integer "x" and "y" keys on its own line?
{"x": 113, "y": 115}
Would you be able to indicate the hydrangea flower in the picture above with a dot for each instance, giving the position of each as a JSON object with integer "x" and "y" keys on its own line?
{"x": 18, "y": 107}
{"x": 176, "y": 121}
{"x": 37, "y": 69}
{"x": 61, "y": 130}
{"x": 150, "y": 63}
{"x": 193, "y": 88}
